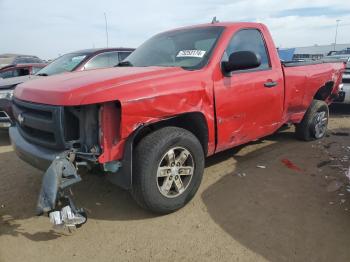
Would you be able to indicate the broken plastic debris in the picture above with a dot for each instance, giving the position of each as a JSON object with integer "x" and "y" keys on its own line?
{"x": 291, "y": 165}
{"x": 342, "y": 201}
{"x": 347, "y": 173}
{"x": 66, "y": 218}
{"x": 261, "y": 166}
{"x": 335, "y": 185}
{"x": 241, "y": 174}
{"x": 324, "y": 163}
{"x": 331, "y": 202}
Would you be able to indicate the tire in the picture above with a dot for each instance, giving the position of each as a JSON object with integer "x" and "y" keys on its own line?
{"x": 310, "y": 126}
{"x": 152, "y": 154}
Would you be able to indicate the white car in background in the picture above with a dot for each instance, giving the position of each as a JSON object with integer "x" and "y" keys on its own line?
{"x": 344, "y": 93}
{"x": 346, "y": 83}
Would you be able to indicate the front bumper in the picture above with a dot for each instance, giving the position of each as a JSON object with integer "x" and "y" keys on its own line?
{"x": 5, "y": 113}
{"x": 35, "y": 155}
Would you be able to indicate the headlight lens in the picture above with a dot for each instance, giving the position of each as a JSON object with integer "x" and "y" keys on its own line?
{"x": 6, "y": 94}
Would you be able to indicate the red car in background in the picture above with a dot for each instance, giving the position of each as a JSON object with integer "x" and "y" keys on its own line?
{"x": 20, "y": 70}
{"x": 13, "y": 65}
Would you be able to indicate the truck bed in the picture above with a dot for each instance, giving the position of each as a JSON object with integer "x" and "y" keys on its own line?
{"x": 305, "y": 81}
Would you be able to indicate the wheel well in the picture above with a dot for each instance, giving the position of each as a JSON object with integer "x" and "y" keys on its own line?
{"x": 193, "y": 122}
{"x": 325, "y": 91}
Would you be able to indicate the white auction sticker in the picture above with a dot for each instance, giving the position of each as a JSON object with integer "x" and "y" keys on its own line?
{"x": 191, "y": 53}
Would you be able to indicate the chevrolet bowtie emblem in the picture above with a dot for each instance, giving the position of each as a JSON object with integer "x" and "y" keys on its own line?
{"x": 20, "y": 119}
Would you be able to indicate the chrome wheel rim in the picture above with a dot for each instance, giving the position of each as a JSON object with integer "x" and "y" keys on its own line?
{"x": 175, "y": 172}
{"x": 321, "y": 121}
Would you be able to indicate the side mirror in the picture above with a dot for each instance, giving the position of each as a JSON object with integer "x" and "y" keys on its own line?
{"x": 241, "y": 60}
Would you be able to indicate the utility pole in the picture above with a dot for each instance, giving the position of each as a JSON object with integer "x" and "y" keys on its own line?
{"x": 106, "y": 28}
{"x": 336, "y": 34}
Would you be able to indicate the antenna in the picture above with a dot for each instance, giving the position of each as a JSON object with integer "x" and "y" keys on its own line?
{"x": 106, "y": 28}
{"x": 214, "y": 21}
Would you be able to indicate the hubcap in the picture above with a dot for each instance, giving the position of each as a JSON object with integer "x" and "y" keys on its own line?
{"x": 175, "y": 172}
{"x": 321, "y": 121}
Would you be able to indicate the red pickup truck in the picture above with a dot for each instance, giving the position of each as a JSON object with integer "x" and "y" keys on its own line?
{"x": 150, "y": 122}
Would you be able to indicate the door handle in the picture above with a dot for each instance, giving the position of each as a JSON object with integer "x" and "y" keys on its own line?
{"x": 270, "y": 84}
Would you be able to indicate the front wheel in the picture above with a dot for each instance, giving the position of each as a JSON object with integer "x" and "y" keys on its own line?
{"x": 168, "y": 169}
{"x": 315, "y": 121}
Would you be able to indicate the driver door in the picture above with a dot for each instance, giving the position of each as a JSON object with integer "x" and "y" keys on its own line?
{"x": 249, "y": 103}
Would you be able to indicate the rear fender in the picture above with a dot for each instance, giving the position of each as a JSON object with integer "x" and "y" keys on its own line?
{"x": 325, "y": 92}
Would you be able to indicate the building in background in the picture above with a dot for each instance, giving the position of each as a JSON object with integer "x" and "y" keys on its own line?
{"x": 311, "y": 52}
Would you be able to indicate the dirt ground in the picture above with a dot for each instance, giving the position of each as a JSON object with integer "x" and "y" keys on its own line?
{"x": 241, "y": 212}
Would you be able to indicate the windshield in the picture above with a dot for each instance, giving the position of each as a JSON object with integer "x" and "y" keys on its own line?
{"x": 187, "y": 48}
{"x": 65, "y": 63}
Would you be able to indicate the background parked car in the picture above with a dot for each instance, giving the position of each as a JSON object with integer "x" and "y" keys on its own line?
{"x": 12, "y": 59}
{"x": 20, "y": 70}
{"x": 75, "y": 61}
{"x": 344, "y": 93}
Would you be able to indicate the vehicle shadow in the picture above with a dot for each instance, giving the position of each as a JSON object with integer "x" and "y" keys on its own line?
{"x": 279, "y": 213}
{"x": 339, "y": 110}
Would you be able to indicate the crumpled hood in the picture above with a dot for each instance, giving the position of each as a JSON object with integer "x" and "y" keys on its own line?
{"x": 95, "y": 86}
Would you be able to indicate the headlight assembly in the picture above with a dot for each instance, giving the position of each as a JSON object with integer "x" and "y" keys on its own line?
{"x": 6, "y": 94}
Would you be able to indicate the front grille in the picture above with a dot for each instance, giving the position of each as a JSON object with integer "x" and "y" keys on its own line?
{"x": 40, "y": 124}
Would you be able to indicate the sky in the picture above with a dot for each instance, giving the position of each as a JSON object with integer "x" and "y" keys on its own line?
{"x": 48, "y": 28}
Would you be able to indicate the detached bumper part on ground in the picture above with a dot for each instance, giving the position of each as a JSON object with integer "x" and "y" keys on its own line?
{"x": 54, "y": 193}
{"x": 61, "y": 174}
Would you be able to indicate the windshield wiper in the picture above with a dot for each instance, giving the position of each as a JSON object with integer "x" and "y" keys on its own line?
{"x": 42, "y": 74}
{"x": 124, "y": 63}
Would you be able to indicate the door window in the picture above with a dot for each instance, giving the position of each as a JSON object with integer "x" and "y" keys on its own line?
{"x": 109, "y": 59}
{"x": 22, "y": 72}
{"x": 35, "y": 70}
{"x": 249, "y": 40}
{"x": 123, "y": 55}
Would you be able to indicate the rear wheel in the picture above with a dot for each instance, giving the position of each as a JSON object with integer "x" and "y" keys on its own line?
{"x": 168, "y": 169}
{"x": 314, "y": 124}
